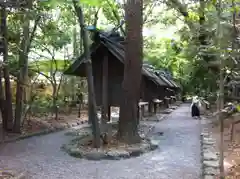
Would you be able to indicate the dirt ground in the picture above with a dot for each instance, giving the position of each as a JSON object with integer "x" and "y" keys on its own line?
{"x": 231, "y": 145}
{"x": 37, "y": 124}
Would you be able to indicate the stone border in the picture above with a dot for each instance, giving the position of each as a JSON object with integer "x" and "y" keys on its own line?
{"x": 209, "y": 156}
{"x": 21, "y": 176}
{"x": 13, "y": 175}
{"x": 147, "y": 145}
{"x": 43, "y": 132}
{"x": 117, "y": 154}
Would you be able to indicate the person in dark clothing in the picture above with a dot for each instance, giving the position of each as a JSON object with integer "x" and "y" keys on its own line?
{"x": 195, "y": 110}
{"x": 195, "y": 107}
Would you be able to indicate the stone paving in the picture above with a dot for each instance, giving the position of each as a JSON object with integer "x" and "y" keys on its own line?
{"x": 210, "y": 156}
{"x": 178, "y": 156}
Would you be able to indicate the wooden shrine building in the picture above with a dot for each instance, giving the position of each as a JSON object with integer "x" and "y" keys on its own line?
{"x": 107, "y": 54}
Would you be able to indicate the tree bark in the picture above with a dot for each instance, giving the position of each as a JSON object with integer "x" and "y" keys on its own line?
{"x": 8, "y": 94}
{"x": 21, "y": 93}
{"x": 75, "y": 54}
{"x": 2, "y": 103}
{"x": 88, "y": 64}
{"x": 22, "y": 77}
{"x": 203, "y": 36}
{"x": 128, "y": 129}
{"x": 221, "y": 90}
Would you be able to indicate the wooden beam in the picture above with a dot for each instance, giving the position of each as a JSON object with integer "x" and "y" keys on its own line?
{"x": 105, "y": 105}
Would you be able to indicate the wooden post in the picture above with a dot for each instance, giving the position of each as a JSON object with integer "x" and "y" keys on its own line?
{"x": 150, "y": 108}
{"x": 105, "y": 105}
{"x": 155, "y": 107}
{"x": 109, "y": 112}
{"x": 143, "y": 111}
{"x": 138, "y": 113}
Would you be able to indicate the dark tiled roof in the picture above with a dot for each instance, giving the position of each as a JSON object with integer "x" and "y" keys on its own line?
{"x": 117, "y": 49}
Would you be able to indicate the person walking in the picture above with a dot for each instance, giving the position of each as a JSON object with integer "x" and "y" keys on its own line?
{"x": 195, "y": 107}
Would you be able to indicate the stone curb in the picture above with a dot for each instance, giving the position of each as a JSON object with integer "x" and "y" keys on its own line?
{"x": 98, "y": 154}
{"x": 209, "y": 156}
{"x": 13, "y": 175}
{"x": 21, "y": 176}
{"x": 43, "y": 132}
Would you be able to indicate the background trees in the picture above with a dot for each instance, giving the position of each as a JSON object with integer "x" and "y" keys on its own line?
{"x": 177, "y": 37}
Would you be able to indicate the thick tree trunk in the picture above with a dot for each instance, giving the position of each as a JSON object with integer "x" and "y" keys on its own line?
{"x": 8, "y": 94}
{"x": 22, "y": 77}
{"x": 128, "y": 132}
{"x": 2, "y": 97}
{"x": 92, "y": 100}
{"x": 76, "y": 54}
{"x": 203, "y": 37}
{"x": 22, "y": 89}
{"x": 221, "y": 90}
{"x": 2, "y": 103}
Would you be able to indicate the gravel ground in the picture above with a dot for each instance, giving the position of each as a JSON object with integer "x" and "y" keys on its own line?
{"x": 178, "y": 156}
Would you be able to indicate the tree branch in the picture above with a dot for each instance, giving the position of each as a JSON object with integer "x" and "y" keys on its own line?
{"x": 96, "y": 17}
{"x": 149, "y": 11}
{"x": 117, "y": 17}
{"x": 36, "y": 22}
{"x": 182, "y": 9}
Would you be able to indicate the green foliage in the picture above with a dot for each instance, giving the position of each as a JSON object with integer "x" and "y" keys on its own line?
{"x": 49, "y": 65}
{"x": 183, "y": 57}
{"x": 167, "y": 54}
{"x": 56, "y": 3}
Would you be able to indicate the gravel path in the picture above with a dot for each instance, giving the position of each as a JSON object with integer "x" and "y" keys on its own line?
{"x": 178, "y": 156}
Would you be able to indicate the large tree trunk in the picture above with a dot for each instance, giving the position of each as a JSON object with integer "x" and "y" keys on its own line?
{"x": 21, "y": 94}
{"x": 2, "y": 47}
{"x": 128, "y": 132}
{"x": 76, "y": 54}
{"x": 92, "y": 100}
{"x": 203, "y": 36}
{"x": 2, "y": 102}
{"x": 221, "y": 89}
{"x": 22, "y": 76}
{"x": 8, "y": 102}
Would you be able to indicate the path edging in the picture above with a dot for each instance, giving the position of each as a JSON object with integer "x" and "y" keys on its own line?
{"x": 209, "y": 156}
{"x": 42, "y": 132}
{"x": 57, "y": 129}
{"x": 150, "y": 144}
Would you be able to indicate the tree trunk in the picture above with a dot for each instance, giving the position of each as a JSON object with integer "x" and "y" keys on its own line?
{"x": 54, "y": 101}
{"x": 8, "y": 94}
{"x": 92, "y": 100}
{"x": 23, "y": 74}
{"x": 127, "y": 131}
{"x": 2, "y": 103}
{"x": 75, "y": 54}
{"x": 203, "y": 37}
{"x": 221, "y": 90}
{"x": 2, "y": 97}
{"x": 22, "y": 89}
